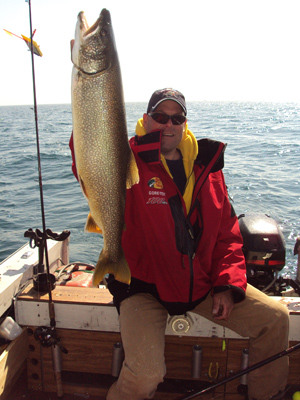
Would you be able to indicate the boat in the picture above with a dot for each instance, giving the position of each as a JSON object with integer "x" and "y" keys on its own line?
{"x": 61, "y": 337}
{"x": 69, "y": 343}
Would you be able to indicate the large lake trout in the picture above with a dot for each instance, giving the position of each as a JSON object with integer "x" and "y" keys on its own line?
{"x": 104, "y": 161}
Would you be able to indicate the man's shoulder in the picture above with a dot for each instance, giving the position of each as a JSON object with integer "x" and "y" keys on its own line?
{"x": 211, "y": 151}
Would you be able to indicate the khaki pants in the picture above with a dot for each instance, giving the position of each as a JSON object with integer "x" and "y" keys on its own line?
{"x": 143, "y": 323}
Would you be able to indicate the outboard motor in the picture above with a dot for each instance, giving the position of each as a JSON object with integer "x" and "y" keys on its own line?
{"x": 264, "y": 250}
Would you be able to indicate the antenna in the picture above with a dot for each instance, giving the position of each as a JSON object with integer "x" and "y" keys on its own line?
{"x": 44, "y": 281}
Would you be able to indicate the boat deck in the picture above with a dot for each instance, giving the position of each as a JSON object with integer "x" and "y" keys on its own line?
{"x": 21, "y": 392}
{"x": 87, "y": 325}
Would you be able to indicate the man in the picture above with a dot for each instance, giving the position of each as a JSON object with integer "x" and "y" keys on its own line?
{"x": 184, "y": 249}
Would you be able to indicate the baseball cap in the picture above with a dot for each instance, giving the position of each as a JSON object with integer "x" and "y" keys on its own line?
{"x": 161, "y": 95}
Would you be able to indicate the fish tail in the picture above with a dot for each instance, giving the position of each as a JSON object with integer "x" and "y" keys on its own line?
{"x": 119, "y": 269}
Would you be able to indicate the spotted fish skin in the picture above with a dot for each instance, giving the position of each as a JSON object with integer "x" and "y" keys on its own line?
{"x": 104, "y": 161}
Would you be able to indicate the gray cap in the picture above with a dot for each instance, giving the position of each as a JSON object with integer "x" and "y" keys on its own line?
{"x": 166, "y": 94}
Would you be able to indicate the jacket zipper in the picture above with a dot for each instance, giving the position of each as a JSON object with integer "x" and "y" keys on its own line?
{"x": 191, "y": 257}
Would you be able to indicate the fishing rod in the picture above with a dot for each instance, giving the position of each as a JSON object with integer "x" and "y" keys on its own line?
{"x": 243, "y": 372}
{"x": 46, "y": 336}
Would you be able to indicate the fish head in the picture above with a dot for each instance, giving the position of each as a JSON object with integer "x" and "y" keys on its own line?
{"x": 94, "y": 50}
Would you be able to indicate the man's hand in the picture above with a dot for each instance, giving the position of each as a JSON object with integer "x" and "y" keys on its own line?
{"x": 222, "y": 305}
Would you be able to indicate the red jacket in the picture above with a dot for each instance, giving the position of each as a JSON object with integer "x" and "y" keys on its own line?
{"x": 178, "y": 257}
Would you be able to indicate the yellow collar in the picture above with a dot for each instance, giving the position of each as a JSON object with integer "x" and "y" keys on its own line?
{"x": 189, "y": 150}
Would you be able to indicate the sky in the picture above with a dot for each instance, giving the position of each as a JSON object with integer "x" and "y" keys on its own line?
{"x": 213, "y": 50}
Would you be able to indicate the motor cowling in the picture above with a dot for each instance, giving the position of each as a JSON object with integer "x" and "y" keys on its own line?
{"x": 263, "y": 248}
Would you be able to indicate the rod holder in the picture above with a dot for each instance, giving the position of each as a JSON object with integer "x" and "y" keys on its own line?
{"x": 297, "y": 251}
{"x": 244, "y": 365}
{"x": 242, "y": 388}
{"x": 196, "y": 361}
{"x": 57, "y": 368}
{"x": 56, "y": 358}
{"x": 117, "y": 359}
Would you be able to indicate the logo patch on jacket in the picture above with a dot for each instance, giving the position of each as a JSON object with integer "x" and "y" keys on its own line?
{"x": 155, "y": 183}
{"x": 156, "y": 196}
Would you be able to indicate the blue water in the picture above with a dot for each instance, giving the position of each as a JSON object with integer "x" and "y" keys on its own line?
{"x": 262, "y": 169}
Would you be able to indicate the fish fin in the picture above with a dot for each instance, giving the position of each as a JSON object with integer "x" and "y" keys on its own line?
{"x": 82, "y": 186}
{"x": 91, "y": 226}
{"x": 132, "y": 172}
{"x": 119, "y": 269}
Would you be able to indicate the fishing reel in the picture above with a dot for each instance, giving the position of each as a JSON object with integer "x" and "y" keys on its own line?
{"x": 48, "y": 337}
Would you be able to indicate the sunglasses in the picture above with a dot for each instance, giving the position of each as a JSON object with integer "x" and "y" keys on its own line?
{"x": 164, "y": 118}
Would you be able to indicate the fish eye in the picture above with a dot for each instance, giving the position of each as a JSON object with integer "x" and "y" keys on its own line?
{"x": 103, "y": 32}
